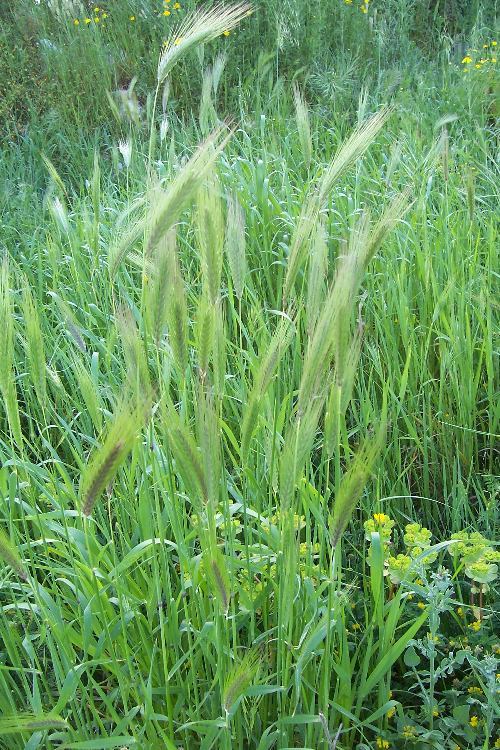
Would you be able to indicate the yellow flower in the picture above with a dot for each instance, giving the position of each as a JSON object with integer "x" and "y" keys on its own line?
{"x": 474, "y": 721}
{"x": 132, "y": 18}
{"x": 467, "y": 59}
{"x": 493, "y": 44}
{"x": 409, "y": 731}
{"x": 96, "y": 9}
{"x": 88, "y": 20}
{"x": 421, "y": 605}
{"x": 391, "y": 712}
{"x": 435, "y": 711}
{"x": 497, "y": 742}
{"x": 104, "y": 15}
{"x": 485, "y": 46}
{"x": 460, "y": 612}
{"x": 348, "y": 2}
{"x": 477, "y": 66}
{"x": 475, "y": 690}
{"x": 356, "y": 626}
{"x": 166, "y": 12}
{"x": 383, "y": 744}
{"x": 176, "y": 6}
{"x": 380, "y": 517}
{"x": 76, "y": 22}
{"x": 178, "y": 40}
{"x": 493, "y": 59}
{"x": 476, "y": 625}
{"x": 364, "y": 9}
{"x": 226, "y": 32}
{"x": 96, "y": 19}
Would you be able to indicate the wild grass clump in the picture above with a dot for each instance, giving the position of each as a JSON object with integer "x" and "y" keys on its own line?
{"x": 248, "y": 445}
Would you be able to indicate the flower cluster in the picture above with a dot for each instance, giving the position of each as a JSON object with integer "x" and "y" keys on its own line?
{"x": 477, "y": 60}
{"x": 364, "y": 7}
{"x": 475, "y": 554}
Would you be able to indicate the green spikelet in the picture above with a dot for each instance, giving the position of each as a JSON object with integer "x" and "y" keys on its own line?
{"x": 210, "y": 235}
{"x": 355, "y": 479}
{"x": 7, "y": 382}
{"x": 34, "y": 345}
{"x": 235, "y": 245}
{"x": 303, "y": 124}
{"x": 218, "y": 577}
{"x": 204, "y": 332}
{"x": 177, "y": 318}
{"x": 241, "y": 677}
{"x": 106, "y": 460}
{"x": 9, "y": 554}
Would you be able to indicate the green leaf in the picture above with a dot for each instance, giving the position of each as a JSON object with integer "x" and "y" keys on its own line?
{"x": 411, "y": 658}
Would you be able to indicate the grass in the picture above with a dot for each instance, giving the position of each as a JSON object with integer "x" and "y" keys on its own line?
{"x": 238, "y": 361}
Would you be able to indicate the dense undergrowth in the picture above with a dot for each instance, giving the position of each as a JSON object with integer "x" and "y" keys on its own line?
{"x": 249, "y": 470}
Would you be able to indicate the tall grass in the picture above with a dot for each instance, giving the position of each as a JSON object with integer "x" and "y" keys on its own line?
{"x": 216, "y": 363}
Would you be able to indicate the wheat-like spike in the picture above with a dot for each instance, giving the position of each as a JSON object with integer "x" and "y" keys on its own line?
{"x": 209, "y": 223}
{"x": 204, "y": 332}
{"x": 133, "y": 350}
{"x": 157, "y": 291}
{"x": 220, "y": 351}
{"x": 197, "y": 28}
{"x": 8, "y": 388}
{"x": 392, "y": 214}
{"x": 186, "y": 456}
{"x": 353, "y": 148}
{"x": 129, "y": 228}
{"x": 6, "y": 328}
{"x": 208, "y": 115}
{"x": 177, "y": 317}
{"x": 303, "y": 124}
{"x": 88, "y": 391}
{"x": 318, "y": 264}
{"x": 218, "y": 577}
{"x": 107, "y": 459}
{"x": 9, "y": 554}
{"x": 297, "y": 446}
{"x": 241, "y": 677}
{"x": 275, "y": 350}
{"x": 34, "y": 344}
{"x": 208, "y": 433}
{"x": 235, "y": 244}
{"x": 172, "y": 202}
{"x": 354, "y": 480}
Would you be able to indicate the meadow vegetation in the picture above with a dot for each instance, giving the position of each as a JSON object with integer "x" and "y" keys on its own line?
{"x": 248, "y": 375}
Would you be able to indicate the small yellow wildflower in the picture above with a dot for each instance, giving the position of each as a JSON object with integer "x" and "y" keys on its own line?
{"x": 132, "y": 18}
{"x": 475, "y": 690}
{"x": 104, "y": 15}
{"x": 96, "y": 9}
{"x": 476, "y": 625}
{"x": 497, "y": 742}
{"x": 348, "y": 2}
{"x": 382, "y": 743}
{"x": 477, "y": 66}
{"x": 226, "y": 32}
{"x": 460, "y": 611}
{"x": 96, "y": 19}
{"x": 493, "y": 59}
{"x": 166, "y": 12}
{"x": 356, "y": 626}
{"x": 467, "y": 59}
{"x": 409, "y": 731}
{"x": 493, "y": 44}
{"x": 421, "y": 605}
{"x": 485, "y": 46}
{"x": 76, "y": 22}
{"x": 364, "y": 9}
{"x": 380, "y": 517}
{"x": 178, "y": 40}
{"x": 474, "y": 721}
{"x": 88, "y": 20}
{"x": 391, "y": 712}
{"x": 176, "y": 6}
{"x": 435, "y": 711}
